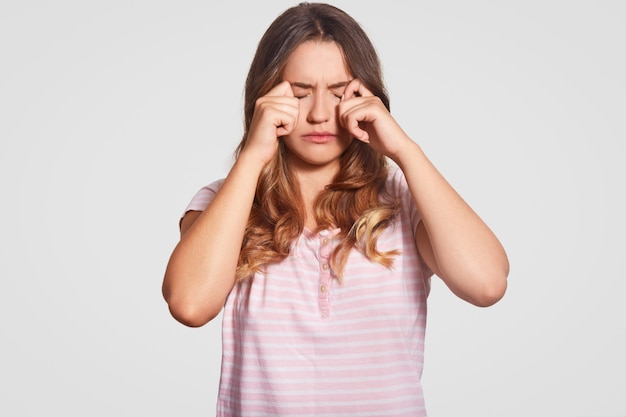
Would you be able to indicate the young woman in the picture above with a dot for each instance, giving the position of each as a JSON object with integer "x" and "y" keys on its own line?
{"x": 318, "y": 251}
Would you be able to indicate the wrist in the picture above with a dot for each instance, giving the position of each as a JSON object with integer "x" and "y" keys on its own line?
{"x": 250, "y": 161}
{"x": 407, "y": 153}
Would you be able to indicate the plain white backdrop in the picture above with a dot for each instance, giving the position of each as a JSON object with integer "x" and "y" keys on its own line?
{"x": 113, "y": 114}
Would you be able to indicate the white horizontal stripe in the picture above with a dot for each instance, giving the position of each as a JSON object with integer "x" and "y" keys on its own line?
{"x": 338, "y": 294}
{"x": 345, "y": 306}
{"x": 338, "y": 379}
{"x": 328, "y": 355}
{"x": 286, "y": 393}
{"x": 342, "y": 403}
{"x": 343, "y": 328}
{"x": 288, "y": 335}
{"x": 400, "y": 364}
{"x": 388, "y": 412}
{"x": 377, "y": 342}
{"x": 351, "y": 322}
{"x": 409, "y": 411}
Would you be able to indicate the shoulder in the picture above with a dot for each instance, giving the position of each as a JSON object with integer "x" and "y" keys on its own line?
{"x": 398, "y": 188}
{"x": 204, "y": 196}
{"x": 396, "y": 182}
{"x": 210, "y": 188}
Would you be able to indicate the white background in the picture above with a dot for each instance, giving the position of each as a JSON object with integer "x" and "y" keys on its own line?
{"x": 113, "y": 114}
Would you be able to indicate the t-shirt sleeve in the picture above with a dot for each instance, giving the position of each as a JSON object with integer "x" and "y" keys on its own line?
{"x": 400, "y": 189}
{"x": 203, "y": 197}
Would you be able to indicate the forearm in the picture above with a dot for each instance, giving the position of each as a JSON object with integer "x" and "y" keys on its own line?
{"x": 201, "y": 269}
{"x": 467, "y": 254}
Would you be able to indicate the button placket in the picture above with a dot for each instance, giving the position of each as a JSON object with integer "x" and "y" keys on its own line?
{"x": 325, "y": 276}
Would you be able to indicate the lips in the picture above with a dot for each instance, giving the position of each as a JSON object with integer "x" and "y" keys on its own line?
{"x": 319, "y": 137}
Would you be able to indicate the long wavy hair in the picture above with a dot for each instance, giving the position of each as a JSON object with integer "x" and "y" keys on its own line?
{"x": 357, "y": 201}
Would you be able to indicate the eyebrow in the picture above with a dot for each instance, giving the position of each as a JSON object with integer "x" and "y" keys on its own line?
{"x": 331, "y": 86}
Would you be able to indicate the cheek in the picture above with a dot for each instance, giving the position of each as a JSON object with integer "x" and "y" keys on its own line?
{"x": 345, "y": 138}
{"x": 343, "y": 133}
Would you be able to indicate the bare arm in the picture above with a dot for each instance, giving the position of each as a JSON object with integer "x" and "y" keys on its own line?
{"x": 201, "y": 270}
{"x": 454, "y": 242}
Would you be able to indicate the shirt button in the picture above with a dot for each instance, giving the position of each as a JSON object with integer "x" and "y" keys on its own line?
{"x": 325, "y": 241}
{"x": 325, "y": 266}
{"x": 323, "y": 288}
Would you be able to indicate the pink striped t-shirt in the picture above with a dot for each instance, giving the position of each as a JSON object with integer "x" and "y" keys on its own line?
{"x": 296, "y": 342}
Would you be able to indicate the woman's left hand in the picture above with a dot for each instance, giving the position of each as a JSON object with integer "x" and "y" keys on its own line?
{"x": 367, "y": 119}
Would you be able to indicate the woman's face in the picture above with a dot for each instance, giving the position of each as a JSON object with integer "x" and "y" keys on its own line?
{"x": 318, "y": 76}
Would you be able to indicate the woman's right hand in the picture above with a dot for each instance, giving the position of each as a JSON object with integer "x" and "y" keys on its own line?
{"x": 275, "y": 115}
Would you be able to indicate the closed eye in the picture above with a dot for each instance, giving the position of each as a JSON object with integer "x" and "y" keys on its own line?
{"x": 301, "y": 94}
{"x": 302, "y": 90}
{"x": 337, "y": 92}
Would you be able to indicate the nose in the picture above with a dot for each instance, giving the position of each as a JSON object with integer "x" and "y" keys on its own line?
{"x": 322, "y": 108}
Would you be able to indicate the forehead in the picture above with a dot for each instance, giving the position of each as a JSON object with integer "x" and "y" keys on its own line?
{"x": 316, "y": 61}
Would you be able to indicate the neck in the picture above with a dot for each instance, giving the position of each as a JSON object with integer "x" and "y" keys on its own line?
{"x": 312, "y": 182}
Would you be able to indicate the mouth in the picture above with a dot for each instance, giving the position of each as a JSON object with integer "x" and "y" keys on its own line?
{"x": 319, "y": 137}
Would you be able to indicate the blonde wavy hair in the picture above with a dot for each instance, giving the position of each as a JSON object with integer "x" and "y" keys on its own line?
{"x": 357, "y": 201}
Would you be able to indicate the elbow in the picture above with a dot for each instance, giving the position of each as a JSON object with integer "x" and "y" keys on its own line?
{"x": 482, "y": 287}
{"x": 189, "y": 305}
{"x": 491, "y": 290}
{"x": 192, "y": 316}
{"x": 191, "y": 313}
{"x": 491, "y": 295}
{"x": 491, "y": 285}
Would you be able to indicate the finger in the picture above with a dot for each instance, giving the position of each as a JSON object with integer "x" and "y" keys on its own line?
{"x": 273, "y": 108}
{"x": 282, "y": 99}
{"x": 282, "y": 89}
{"x": 282, "y": 103}
{"x": 355, "y": 125}
{"x": 279, "y": 111}
{"x": 356, "y": 88}
{"x": 286, "y": 123}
